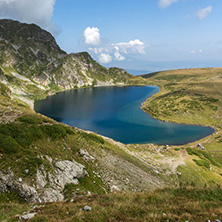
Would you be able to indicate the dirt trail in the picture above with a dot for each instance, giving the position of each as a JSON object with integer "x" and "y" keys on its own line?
{"x": 171, "y": 163}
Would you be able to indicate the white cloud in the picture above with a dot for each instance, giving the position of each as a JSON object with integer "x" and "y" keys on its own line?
{"x": 196, "y": 51}
{"x": 118, "y": 49}
{"x": 203, "y": 13}
{"x": 131, "y": 47}
{"x": 166, "y": 3}
{"x": 118, "y": 56}
{"x": 30, "y": 11}
{"x": 105, "y": 58}
{"x": 91, "y": 36}
{"x": 101, "y": 50}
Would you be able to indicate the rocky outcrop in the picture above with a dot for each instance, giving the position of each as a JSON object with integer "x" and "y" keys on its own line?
{"x": 9, "y": 183}
{"x": 14, "y": 30}
{"x": 48, "y": 186}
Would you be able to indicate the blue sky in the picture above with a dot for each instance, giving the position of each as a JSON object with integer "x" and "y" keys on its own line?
{"x": 142, "y": 35}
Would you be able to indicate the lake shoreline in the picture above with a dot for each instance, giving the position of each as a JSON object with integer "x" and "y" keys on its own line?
{"x": 177, "y": 122}
{"x": 163, "y": 138}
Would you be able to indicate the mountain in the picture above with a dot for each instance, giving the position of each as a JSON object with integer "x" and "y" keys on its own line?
{"x": 35, "y": 66}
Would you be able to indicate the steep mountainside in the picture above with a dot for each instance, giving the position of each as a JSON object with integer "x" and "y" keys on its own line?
{"x": 33, "y": 65}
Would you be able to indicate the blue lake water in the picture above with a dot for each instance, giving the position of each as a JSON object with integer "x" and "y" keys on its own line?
{"x": 115, "y": 112}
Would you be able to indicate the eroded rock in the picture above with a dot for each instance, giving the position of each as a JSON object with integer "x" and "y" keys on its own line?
{"x": 49, "y": 185}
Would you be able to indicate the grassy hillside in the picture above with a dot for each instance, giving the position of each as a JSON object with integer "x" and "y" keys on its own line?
{"x": 30, "y": 142}
{"x": 192, "y": 96}
{"x": 162, "y": 205}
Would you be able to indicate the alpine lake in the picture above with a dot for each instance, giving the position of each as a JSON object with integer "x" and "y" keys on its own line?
{"x": 115, "y": 112}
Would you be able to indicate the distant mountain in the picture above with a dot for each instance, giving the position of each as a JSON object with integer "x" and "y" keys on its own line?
{"x": 138, "y": 72}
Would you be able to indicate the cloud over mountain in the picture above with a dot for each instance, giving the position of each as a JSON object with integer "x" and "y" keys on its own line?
{"x": 131, "y": 47}
{"x": 30, "y": 11}
{"x": 117, "y": 49}
{"x": 105, "y": 58}
{"x": 91, "y": 36}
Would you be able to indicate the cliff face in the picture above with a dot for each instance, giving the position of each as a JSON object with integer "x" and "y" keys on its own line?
{"x": 28, "y": 53}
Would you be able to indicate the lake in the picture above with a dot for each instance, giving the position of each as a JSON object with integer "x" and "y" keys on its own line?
{"x": 115, "y": 112}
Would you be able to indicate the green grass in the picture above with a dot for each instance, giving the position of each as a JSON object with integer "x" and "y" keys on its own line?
{"x": 32, "y": 119}
{"x": 203, "y": 155}
{"x": 203, "y": 163}
{"x": 161, "y": 205}
{"x": 8, "y": 145}
{"x": 10, "y": 205}
{"x": 90, "y": 183}
{"x": 93, "y": 137}
{"x": 4, "y": 90}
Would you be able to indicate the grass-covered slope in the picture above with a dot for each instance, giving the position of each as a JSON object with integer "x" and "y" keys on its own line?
{"x": 162, "y": 205}
{"x": 32, "y": 146}
{"x": 192, "y": 96}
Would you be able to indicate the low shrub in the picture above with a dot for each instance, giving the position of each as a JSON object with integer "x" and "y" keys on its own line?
{"x": 203, "y": 155}
{"x": 30, "y": 119}
{"x": 202, "y": 162}
{"x": 56, "y": 130}
{"x": 8, "y": 145}
{"x": 93, "y": 137}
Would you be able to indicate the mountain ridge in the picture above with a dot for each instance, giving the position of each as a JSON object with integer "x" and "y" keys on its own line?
{"x": 29, "y": 51}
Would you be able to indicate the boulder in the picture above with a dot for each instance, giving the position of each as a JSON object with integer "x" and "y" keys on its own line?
{"x": 62, "y": 173}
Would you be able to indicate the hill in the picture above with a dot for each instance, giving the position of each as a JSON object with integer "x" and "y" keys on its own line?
{"x": 42, "y": 160}
{"x": 190, "y": 96}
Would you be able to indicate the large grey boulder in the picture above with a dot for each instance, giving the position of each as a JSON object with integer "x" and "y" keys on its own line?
{"x": 48, "y": 186}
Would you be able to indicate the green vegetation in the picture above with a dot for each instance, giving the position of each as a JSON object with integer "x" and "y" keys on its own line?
{"x": 11, "y": 205}
{"x": 190, "y": 96}
{"x": 8, "y": 145}
{"x": 32, "y": 119}
{"x": 162, "y": 205}
{"x": 56, "y": 131}
{"x": 88, "y": 184}
{"x": 4, "y": 90}
{"x": 93, "y": 137}
{"x": 202, "y": 162}
{"x": 203, "y": 155}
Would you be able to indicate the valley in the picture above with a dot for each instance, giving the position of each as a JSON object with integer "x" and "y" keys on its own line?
{"x": 54, "y": 170}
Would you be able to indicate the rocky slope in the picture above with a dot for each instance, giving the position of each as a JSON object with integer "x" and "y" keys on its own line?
{"x": 33, "y": 65}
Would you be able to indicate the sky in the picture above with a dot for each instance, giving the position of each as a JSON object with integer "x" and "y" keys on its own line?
{"x": 144, "y": 35}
